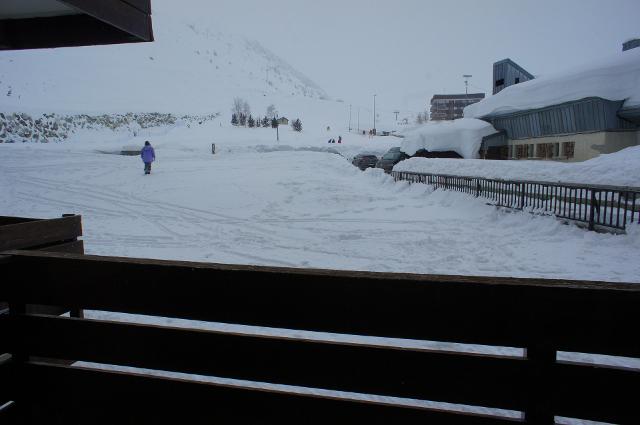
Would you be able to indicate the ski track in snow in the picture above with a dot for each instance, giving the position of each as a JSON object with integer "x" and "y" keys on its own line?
{"x": 297, "y": 209}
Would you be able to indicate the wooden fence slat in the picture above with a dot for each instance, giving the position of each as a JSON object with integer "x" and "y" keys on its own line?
{"x": 73, "y": 247}
{"x": 596, "y": 393}
{"x": 39, "y": 232}
{"x": 116, "y": 397}
{"x": 6, "y": 375}
{"x": 579, "y": 316}
{"x": 428, "y": 375}
{"x": 5, "y": 220}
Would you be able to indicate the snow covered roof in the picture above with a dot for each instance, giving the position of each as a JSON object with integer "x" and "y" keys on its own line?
{"x": 613, "y": 78}
{"x": 463, "y": 136}
{"x": 458, "y": 96}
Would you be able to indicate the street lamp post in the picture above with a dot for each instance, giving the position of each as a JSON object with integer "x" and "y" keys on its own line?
{"x": 374, "y": 114}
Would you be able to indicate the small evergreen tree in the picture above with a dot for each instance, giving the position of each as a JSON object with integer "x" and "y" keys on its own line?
{"x": 234, "y": 119}
{"x": 274, "y": 123}
{"x": 265, "y": 122}
{"x": 297, "y": 125}
{"x": 243, "y": 120}
{"x": 251, "y": 122}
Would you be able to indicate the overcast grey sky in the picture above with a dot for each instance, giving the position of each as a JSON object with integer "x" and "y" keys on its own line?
{"x": 407, "y": 50}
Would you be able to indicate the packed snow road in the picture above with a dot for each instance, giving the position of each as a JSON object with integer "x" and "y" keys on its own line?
{"x": 297, "y": 209}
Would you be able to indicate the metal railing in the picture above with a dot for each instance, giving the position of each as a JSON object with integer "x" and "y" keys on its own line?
{"x": 597, "y": 206}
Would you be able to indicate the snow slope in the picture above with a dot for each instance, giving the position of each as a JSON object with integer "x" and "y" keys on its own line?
{"x": 618, "y": 169}
{"x": 188, "y": 69}
{"x": 613, "y": 78}
{"x": 259, "y": 202}
{"x": 463, "y": 136}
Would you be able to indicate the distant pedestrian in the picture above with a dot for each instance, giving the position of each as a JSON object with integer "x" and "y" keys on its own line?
{"x": 148, "y": 155}
{"x": 339, "y": 139}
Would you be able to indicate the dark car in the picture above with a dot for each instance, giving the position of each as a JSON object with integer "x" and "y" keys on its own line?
{"x": 364, "y": 161}
{"x": 391, "y": 158}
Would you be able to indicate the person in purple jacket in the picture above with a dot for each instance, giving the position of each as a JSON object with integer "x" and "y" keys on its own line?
{"x": 148, "y": 155}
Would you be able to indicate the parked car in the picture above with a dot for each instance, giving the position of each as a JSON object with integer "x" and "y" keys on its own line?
{"x": 364, "y": 161}
{"x": 391, "y": 158}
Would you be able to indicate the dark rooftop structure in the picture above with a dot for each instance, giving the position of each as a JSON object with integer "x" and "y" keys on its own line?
{"x": 451, "y": 106}
{"x": 631, "y": 44}
{"x": 37, "y": 24}
{"x": 507, "y": 73}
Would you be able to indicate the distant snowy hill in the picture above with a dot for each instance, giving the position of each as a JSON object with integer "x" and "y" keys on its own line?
{"x": 190, "y": 68}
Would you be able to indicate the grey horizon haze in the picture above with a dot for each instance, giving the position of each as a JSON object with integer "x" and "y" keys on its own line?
{"x": 407, "y": 50}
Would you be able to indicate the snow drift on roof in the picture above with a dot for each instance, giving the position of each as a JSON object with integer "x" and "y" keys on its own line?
{"x": 463, "y": 136}
{"x": 614, "y": 78}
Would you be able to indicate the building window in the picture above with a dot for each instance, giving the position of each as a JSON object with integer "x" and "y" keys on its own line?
{"x": 531, "y": 151}
{"x": 521, "y": 151}
{"x": 545, "y": 150}
{"x": 556, "y": 150}
{"x": 568, "y": 149}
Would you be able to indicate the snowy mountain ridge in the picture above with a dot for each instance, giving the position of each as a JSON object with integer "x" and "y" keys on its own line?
{"x": 188, "y": 69}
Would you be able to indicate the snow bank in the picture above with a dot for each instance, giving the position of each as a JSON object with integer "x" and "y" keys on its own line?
{"x": 613, "y": 78}
{"x": 620, "y": 169}
{"x": 463, "y": 136}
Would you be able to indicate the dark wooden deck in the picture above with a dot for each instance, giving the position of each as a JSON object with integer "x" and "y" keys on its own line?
{"x": 541, "y": 316}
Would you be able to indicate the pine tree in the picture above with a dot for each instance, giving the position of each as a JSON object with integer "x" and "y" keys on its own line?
{"x": 274, "y": 123}
{"x": 234, "y": 119}
{"x": 265, "y": 122}
{"x": 251, "y": 122}
{"x": 243, "y": 119}
{"x": 297, "y": 125}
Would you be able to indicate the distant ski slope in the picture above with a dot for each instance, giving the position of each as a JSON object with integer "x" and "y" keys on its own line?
{"x": 190, "y": 68}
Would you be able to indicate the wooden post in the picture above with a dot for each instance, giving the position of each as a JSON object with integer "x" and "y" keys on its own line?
{"x": 19, "y": 357}
{"x": 541, "y": 359}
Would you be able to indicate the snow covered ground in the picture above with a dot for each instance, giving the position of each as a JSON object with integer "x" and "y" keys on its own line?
{"x": 618, "y": 169}
{"x": 264, "y": 203}
{"x": 293, "y": 204}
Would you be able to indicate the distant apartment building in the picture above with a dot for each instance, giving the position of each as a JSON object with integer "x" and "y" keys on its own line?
{"x": 451, "y": 106}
